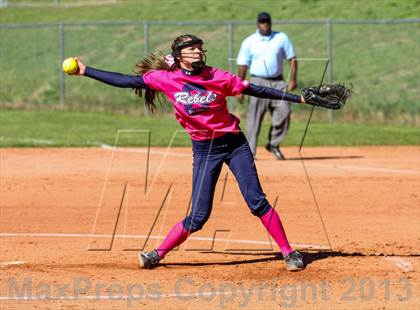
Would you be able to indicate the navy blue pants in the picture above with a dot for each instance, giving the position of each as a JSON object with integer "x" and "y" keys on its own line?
{"x": 209, "y": 156}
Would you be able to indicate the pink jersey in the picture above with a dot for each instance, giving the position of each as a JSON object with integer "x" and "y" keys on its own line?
{"x": 199, "y": 101}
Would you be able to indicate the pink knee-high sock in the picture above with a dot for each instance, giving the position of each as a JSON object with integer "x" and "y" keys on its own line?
{"x": 272, "y": 223}
{"x": 176, "y": 236}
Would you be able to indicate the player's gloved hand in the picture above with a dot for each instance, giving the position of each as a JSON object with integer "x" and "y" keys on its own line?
{"x": 329, "y": 96}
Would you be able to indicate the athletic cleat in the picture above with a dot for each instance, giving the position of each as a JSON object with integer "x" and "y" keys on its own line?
{"x": 276, "y": 152}
{"x": 294, "y": 261}
{"x": 149, "y": 260}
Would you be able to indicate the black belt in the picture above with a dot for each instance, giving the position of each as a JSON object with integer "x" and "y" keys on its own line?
{"x": 277, "y": 78}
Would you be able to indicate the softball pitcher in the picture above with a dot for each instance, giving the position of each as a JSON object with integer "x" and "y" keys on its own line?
{"x": 198, "y": 94}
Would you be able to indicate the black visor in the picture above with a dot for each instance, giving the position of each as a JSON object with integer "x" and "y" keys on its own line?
{"x": 194, "y": 40}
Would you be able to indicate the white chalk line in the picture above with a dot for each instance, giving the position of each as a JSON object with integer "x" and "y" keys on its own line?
{"x": 31, "y": 140}
{"x": 345, "y": 167}
{"x": 71, "y": 235}
{"x": 12, "y": 263}
{"x": 144, "y": 151}
{"x": 401, "y": 263}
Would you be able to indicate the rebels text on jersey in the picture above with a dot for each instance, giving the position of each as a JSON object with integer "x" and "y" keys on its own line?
{"x": 200, "y": 101}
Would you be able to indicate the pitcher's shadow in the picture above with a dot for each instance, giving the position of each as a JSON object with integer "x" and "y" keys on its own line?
{"x": 313, "y": 158}
{"x": 308, "y": 258}
{"x": 324, "y": 157}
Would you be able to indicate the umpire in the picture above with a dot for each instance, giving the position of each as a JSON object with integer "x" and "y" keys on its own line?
{"x": 263, "y": 53}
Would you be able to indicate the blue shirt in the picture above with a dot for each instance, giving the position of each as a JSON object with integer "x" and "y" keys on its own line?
{"x": 264, "y": 54}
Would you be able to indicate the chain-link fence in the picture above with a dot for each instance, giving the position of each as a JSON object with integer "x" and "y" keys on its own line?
{"x": 379, "y": 57}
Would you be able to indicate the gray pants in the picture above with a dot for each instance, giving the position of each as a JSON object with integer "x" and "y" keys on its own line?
{"x": 279, "y": 110}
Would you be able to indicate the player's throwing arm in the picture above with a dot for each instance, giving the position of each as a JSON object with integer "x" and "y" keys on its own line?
{"x": 329, "y": 96}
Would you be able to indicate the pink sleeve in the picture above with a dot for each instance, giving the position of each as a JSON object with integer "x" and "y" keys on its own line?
{"x": 235, "y": 86}
{"x": 152, "y": 79}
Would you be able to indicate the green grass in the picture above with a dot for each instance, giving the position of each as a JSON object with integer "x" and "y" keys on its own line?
{"x": 211, "y": 10}
{"x": 63, "y": 128}
{"x": 381, "y": 61}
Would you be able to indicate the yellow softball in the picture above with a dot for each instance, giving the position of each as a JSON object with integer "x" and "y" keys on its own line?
{"x": 70, "y": 65}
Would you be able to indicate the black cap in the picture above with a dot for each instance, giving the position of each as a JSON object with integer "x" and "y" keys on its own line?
{"x": 264, "y": 17}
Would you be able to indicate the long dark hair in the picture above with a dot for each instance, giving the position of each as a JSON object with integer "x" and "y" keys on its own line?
{"x": 159, "y": 62}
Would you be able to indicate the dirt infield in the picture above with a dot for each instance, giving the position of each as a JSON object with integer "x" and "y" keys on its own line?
{"x": 72, "y": 221}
